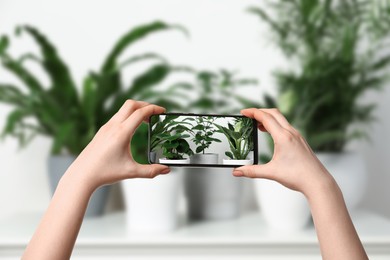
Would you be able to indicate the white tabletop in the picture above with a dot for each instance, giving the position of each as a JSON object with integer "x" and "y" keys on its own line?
{"x": 247, "y": 234}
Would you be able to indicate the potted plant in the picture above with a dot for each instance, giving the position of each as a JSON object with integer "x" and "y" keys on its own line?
{"x": 206, "y": 188}
{"x": 331, "y": 69}
{"x": 147, "y": 198}
{"x": 69, "y": 116}
{"x": 169, "y": 135}
{"x": 202, "y": 133}
{"x": 239, "y": 138}
{"x": 56, "y": 110}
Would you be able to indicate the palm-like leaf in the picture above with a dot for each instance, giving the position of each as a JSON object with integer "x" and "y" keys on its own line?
{"x": 320, "y": 97}
{"x": 70, "y": 117}
{"x": 62, "y": 84}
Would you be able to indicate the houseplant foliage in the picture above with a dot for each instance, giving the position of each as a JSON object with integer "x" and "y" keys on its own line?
{"x": 203, "y": 132}
{"x": 71, "y": 115}
{"x": 217, "y": 91}
{"x": 332, "y": 66}
{"x": 171, "y": 136}
{"x": 239, "y": 138}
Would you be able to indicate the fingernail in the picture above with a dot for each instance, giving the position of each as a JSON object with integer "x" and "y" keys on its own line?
{"x": 238, "y": 173}
{"x": 165, "y": 171}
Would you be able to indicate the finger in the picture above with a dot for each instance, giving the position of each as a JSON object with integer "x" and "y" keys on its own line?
{"x": 261, "y": 127}
{"x": 267, "y": 120}
{"x": 127, "y": 109}
{"x": 249, "y": 113}
{"x": 253, "y": 171}
{"x": 141, "y": 114}
{"x": 151, "y": 171}
{"x": 279, "y": 117}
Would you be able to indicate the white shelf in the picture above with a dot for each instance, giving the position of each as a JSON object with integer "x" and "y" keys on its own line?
{"x": 245, "y": 238}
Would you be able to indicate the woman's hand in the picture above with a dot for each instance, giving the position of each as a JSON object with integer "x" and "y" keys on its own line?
{"x": 107, "y": 158}
{"x": 293, "y": 164}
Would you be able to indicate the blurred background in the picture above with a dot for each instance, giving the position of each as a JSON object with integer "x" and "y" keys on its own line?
{"x": 323, "y": 64}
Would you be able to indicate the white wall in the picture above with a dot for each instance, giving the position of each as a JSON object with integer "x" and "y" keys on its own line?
{"x": 222, "y": 35}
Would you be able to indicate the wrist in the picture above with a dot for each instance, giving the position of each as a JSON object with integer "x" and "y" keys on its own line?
{"x": 77, "y": 180}
{"x": 322, "y": 187}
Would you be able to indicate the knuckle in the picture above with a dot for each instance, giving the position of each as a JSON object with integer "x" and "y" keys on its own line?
{"x": 138, "y": 112}
{"x": 121, "y": 128}
{"x": 296, "y": 132}
{"x": 146, "y": 110}
{"x": 287, "y": 136}
{"x": 129, "y": 102}
{"x": 275, "y": 110}
{"x": 264, "y": 114}
{"x": 152, "y": 173}
{"x": 250, "y": 173}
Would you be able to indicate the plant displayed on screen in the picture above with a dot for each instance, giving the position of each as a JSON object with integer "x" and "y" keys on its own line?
{"x": 239, "y": 136}
{"x": 202, "y": 132}
{"x": 170, "y": 136}
{"x": 332, "y": 66}
{"x": 72, "y": 117}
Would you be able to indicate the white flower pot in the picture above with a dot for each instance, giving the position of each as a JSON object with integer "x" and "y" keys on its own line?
{"x": 57, "y": 166}
{"x": 152, "y": 204}
{"x": 282, "y": 208}
{"x": 170, "y": 161}
{"x": 237, "y": 162}
{"x": 212, "y": 193}
{"x": 349, "y": 171}
{"x": 204, "y": 158}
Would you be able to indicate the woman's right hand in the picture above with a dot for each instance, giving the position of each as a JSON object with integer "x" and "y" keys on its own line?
{"x": 293, "y": 164}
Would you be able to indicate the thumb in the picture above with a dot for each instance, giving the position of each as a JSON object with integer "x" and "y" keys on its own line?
{"x": 151, "y": 171}
{"x": 253, "y": 171}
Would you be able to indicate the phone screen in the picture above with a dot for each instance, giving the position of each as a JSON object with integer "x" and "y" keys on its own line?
{"x": 200, "y": 140}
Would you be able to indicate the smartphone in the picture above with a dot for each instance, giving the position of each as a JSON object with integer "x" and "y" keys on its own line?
{"x": 202, "y": 140}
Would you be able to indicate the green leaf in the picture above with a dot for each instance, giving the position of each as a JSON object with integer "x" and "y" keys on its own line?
{"x": 265, "y": 17}
{"x": 29, "y": 57}
{"x": 380, "y": 64}
{"x": 210, "y": 139}
{"x": 236, "y": 135}
{"x": 63, "y": 85}
{"x": 183, "y": 147}
{"x": 230, "y": 155}
{"x": 199, "y": 149}
{"x": 61, "y": 138}
{"x": 131, "y": 37}
{"x": 23, "y": 74}
{"x": 139, "y": 145}
{"x": 230, "y": 126}
{"x": 171, "y": 145}
{"x": 12, "y": 95}
{"x": 88, "y": 104}
{"x": 4, "y": 43}
{"x": 168, "y": 104}
{"x": 13, "y": 119}
{"x": 137, "y": 58}
{"x": 173, "y": 137}
{"x": 139, "y": 87}
{"x": 318, "y": 140}
{"x": 150, "y": 78}
{"x": 198, "y": 127}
